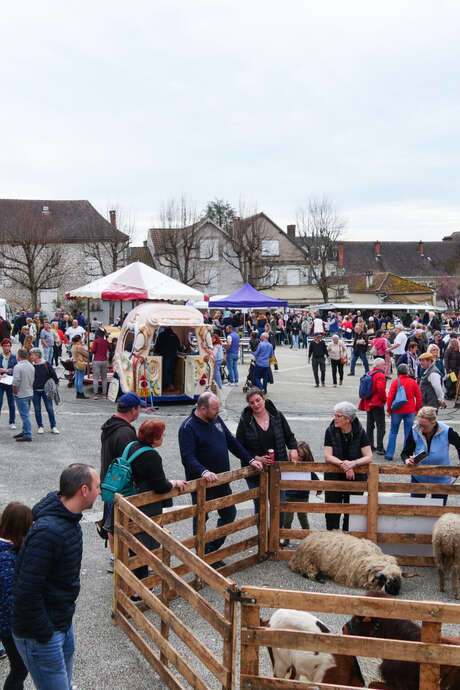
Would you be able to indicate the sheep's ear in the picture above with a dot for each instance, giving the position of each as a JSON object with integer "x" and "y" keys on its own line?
{"x": 291, "y": 673}
{"x": 367, "y": 619}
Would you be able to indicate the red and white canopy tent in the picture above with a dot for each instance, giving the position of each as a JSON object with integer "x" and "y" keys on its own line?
{"x": 135, "y": 282}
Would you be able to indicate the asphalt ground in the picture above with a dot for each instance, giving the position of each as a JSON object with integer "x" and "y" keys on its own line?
{"x": 105, "y": 658}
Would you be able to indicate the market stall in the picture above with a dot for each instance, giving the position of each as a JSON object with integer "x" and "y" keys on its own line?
{"x": 142, "y": 364}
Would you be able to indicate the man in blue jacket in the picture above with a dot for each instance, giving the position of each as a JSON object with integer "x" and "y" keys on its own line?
{"x": 204, "y": 442}
{"x": 47, "y": 579}
{"x": 7, "y": 362}
{"x": 262, "y": 356}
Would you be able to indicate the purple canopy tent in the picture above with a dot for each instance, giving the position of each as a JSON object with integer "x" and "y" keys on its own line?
{"x": 247, "y": 296}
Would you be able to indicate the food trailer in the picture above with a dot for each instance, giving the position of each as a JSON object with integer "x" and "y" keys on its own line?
{"x": 140, "y": 370}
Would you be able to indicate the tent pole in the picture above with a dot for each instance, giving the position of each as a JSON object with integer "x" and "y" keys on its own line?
{"x": 88, "y": 323}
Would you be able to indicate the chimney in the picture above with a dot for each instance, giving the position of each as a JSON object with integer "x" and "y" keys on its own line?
{"x": 368, "y": 275}
{"x": 340, "y": 256}
{"x": 291, "y": 232}
{"x": 113, "y": 218}
{"x": 420, "y": 248}
{"x": 378, "y": 250}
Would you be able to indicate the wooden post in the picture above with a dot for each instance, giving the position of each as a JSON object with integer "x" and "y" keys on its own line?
{"x": 249, "y": 663}
{"x": 430, "y": 673}
{"x": 274, "y": 530}
{"x": 166, "y": 558}
{"x": 372, "y": 502}
{"x": 228, "y": 657}
{"x": 200, "y": 524}
{"x": 263, "y": 514}
{"x": 120, "y": 552}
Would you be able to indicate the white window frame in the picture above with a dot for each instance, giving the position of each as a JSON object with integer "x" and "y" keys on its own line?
{"x": 270, "y": 247}
{"x": 292, "y": 272}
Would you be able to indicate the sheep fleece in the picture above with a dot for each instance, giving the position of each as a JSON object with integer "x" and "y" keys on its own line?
{"x": 348, "y": 560}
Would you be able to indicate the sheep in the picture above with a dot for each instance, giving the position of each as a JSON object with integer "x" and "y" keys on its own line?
{"x": 348, "y": 560}
{"x": 446, "y": 549}
{"x": 313, "y": 667}
{"x": 400, "y": 675}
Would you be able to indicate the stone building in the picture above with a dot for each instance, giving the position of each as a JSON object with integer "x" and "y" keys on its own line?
{"x": 48, "y": 247}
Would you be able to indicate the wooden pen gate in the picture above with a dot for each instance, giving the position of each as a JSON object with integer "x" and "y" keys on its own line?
{"x": 178, "y": 572}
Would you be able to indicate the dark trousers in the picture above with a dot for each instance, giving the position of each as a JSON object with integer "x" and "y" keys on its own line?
{"x": 18, "y": 671}
{"x": 169, "y": 364}
{"x": 226, "y": 515}
{"x": 333, "y": 519}
{"x": 319, "y": 362}
{"x": 8, "y": 391}
{"x": 443, "y": 496}
{"x": 336, "y": 365}
{"x": 376, "y": 417}
{"x": 57, "y": 352}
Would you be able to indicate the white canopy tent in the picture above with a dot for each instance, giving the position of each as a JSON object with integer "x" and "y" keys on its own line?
{"x": 137, "y": 281}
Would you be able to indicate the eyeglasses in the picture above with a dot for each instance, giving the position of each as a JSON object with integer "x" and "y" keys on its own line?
{"x": 338, "y": 415}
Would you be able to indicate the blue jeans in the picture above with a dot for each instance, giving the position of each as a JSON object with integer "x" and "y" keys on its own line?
{"x": 50, "y": 663}
{"x": 48, "y": 354}
{"x": 232, "y": 366}
{"x": 354, "y": 358}
{"x": 295, "y": 340}
{"x": 39, "y": 395}
{"x": 9, "y": 396}
{"x": 217, "y": 377}
{"x": 23, "y": 405}
{"x": 304, "y": 341}
{"x": 260, "y": 377}
{"x": 79, "y": 376}
{"x": 396, "y": 419}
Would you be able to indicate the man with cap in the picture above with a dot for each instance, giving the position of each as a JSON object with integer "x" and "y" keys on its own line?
{"x": 430, "y": 383}
{"x": 117, "y": 432}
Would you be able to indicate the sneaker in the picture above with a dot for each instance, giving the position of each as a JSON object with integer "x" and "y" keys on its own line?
{"x": 55, "y": 430}
{"x": 350, "y": 374}
{"x": 135, "y": 598}
{"x": 24, "y": 438}
{"x": 95, "y": 397}
{"x": 18, "y": 435}
{"x": 13, "y": 426}
{"x": 40, "y": 430}
{"x": 217, "y": 565}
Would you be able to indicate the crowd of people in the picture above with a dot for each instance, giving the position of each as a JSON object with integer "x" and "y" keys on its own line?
{"x": 41, "y": 549}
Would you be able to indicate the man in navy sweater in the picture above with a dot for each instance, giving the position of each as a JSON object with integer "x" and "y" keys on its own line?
{"x": 204, "y": 442}
{"x": 47, "y": 579}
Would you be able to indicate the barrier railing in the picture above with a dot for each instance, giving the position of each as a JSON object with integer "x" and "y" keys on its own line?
{"x": 430, "y": 652}
{"x": 375, "y": 486}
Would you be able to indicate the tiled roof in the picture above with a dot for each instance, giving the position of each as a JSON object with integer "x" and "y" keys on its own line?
{"x": 383, "y": 282}
{"x": 140, "y": 254}
{"x": 67, "y": 221}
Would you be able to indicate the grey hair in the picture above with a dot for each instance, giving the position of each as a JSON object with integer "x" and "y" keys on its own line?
{"x": 22, "y": 353}
{"x": 36, "y": 351}
{"x": 335, "y": 336}
{"x": 347, "y": 409}
{"x": 264, "y": 336}
{"x": 378, "y": 361}
{"x": 403, "y": 369}
{"x": 204, "y": 399}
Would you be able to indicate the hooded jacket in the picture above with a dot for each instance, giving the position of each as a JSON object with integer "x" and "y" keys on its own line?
{"x": 115, "y": 436}
{"x": 47, "y": 573}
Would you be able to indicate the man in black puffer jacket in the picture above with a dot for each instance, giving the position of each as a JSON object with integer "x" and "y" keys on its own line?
{"x": 47, "y": 579}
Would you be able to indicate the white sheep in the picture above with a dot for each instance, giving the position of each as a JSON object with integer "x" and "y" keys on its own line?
{"x": 446, "y": 549}
{"x": 348, "y": 560}
{"x": 306, "y": 666}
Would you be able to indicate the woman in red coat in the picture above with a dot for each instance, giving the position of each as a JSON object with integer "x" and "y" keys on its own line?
{"x": 407, "y": 412}
{"x": 375, "y": 405}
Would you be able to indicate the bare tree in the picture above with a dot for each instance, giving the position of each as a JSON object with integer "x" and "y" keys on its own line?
{"x": 106, "y": 252}
{"x": 31, "y": 256}
{"x": 245, "y": 250}
{"x": 320, "y": 227}
{"x": 179, "y": 245}
{"x": 449, "y": 291}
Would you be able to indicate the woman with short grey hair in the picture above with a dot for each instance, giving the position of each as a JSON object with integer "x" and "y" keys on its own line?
{"x": 347, "y": 447}
{"x": 337, "y": 351}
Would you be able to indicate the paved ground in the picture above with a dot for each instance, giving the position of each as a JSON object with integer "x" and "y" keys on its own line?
{"x": 105, "y": 659}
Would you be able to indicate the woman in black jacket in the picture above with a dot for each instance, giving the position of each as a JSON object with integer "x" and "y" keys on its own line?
{"x": 262, "y": 427}
{"x": 148, "y": 475}
{"x": 346, "y": 446}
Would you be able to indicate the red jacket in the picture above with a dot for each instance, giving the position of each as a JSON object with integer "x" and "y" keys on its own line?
{"x": 379, "y": 396}
{"x": 413, "y": 395}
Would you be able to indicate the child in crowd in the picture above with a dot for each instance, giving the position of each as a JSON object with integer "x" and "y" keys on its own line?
{"x": 293, "y": 495}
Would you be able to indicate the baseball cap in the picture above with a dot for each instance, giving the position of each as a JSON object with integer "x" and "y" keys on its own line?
{"x": 131, "y": 400}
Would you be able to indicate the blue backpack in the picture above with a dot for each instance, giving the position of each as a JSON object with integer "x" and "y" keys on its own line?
{"x": 119, "y": 477}
{"x": 365, "y": 386}
{"x": 400, "y": 398}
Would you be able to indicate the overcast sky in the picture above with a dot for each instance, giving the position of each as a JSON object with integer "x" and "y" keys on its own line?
{"x": 132, "y": 103}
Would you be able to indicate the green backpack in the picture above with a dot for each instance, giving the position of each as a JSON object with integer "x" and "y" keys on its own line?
{"x": 119, "y": 477}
